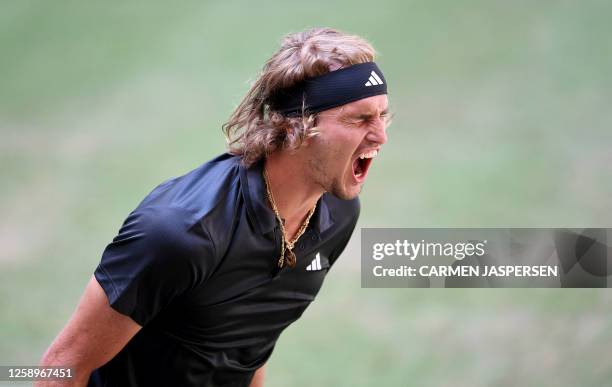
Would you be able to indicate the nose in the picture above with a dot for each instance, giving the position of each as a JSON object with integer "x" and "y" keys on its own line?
{"x": 378, "y": 132}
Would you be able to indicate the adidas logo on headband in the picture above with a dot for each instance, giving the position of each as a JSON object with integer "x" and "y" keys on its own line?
{"x": 374, "y": 80}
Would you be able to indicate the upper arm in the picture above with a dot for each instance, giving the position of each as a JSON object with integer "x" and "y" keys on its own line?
{"x": 258, "y": 377}
{"x": 94, "y": 334}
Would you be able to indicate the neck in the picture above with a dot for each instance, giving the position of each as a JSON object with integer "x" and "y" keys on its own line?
{"x": 295, "y": 195}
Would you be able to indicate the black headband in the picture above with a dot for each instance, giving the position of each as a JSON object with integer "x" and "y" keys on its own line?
{"x": 330, "y": 90}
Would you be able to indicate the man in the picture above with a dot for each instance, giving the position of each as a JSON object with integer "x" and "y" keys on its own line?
{"x": 212, "y": 266}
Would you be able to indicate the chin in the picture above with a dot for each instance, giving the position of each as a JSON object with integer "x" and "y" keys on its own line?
{"x": 346, "y": 194}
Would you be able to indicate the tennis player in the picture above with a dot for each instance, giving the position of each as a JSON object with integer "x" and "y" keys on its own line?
{"x": 212, "y": 266}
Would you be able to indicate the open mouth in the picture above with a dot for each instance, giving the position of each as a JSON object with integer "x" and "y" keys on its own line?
{"x": 361, "y": 164}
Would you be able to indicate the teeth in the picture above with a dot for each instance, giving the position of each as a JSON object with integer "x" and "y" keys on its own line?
{"x": 369, "y": 155}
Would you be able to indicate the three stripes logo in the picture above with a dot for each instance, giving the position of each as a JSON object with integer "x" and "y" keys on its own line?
{"x": 374, "y": 79}
{"x": 315, "y": 265}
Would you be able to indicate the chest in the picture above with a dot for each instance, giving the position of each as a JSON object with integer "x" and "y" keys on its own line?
{"x": 247, "y": 293}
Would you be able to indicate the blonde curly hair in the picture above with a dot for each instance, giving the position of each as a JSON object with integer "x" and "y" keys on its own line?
{"x": 254, "y": 130}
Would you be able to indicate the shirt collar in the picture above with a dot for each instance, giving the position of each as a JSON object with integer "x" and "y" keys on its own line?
{"x": 255, "y": 196}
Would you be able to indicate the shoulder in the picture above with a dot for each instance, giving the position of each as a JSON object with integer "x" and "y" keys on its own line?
{"x": 162, "y": 232}
{"x": 200, "y": 189}
{"x": 343, "y": 217}
{"x": 343, "y": 212}
{"x": 180, "y": 213}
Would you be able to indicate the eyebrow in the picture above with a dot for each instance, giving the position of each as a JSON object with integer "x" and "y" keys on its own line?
{"x": 367, "y": 115}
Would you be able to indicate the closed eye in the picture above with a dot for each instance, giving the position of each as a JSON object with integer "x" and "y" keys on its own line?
{"x": 367, "y": 119}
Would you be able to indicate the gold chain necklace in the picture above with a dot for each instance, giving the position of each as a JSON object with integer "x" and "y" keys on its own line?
{"x": 286, "y": 244}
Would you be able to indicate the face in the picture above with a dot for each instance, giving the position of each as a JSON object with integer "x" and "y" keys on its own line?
{"x": 350, "y": 137}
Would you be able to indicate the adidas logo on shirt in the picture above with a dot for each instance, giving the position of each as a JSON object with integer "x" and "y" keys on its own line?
{"x": 315, "y": 265}
{"x": 374, "y": 79}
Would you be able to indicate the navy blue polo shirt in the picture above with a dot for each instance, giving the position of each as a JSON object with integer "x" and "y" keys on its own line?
{"x": 195, "y": 264}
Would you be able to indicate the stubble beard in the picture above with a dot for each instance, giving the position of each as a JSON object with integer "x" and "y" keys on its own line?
{"x": 334, "y": 185}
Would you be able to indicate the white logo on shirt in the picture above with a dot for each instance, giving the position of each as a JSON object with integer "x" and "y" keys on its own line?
{"x": 315, "y": 264}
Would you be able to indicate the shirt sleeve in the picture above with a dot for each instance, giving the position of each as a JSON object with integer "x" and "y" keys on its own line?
{"x": 158, "y": 255}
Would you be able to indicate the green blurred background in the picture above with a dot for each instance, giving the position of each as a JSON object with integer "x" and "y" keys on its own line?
{"x": 502, "y": 118}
